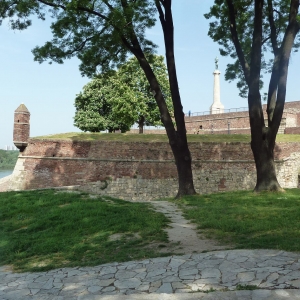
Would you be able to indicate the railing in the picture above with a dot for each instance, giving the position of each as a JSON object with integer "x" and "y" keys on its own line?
{"x": 136, "y": 127}
{"x": 203, "y": 113}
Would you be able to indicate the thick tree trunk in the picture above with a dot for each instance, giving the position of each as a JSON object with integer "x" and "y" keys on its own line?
{"x": 177, "y": 137}
{"x": 262, "y": 145}
{"x": 180, "y": 149}
{"x": 141, "y": 124}
{"x": 265, "y": 167}
{"x": 185, "y": 175}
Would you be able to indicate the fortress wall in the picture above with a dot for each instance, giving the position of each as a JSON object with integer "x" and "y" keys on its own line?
{"x": 293, "y": 106}
{"x": 237, "y": 123}
{"x": 138, "y": 170}
{"x": 292, "y": 130}
{"x": 217, "y": 122}
{"x": 291, "y": 120}
{"x": 149, "y": 131}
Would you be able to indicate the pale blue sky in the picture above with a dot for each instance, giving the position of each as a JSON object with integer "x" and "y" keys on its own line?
{"x": 49, "y": 91}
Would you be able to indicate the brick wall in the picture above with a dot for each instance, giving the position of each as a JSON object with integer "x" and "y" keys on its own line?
{"x": 149, "y": 131}
{"x": 138, "y": 170}
{"x": 21, "y": 127}
{"x": 292, "y": 130}
{"x": 236, "y": 122}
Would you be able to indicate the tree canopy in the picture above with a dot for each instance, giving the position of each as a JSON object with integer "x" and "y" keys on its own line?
{"x": 8, "y": 159}
{"x": 101, "y": 33}
{"x": 275, "y": 17}
{"x": 117, "y": 100}
{"x": 246, "y": 30}
{"x": 94, "y": 110}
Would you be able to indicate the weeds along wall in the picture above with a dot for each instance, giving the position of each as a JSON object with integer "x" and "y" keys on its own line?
{"x": 142, "y": 170}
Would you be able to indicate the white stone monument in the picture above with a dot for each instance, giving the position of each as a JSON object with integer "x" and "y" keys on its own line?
{"x": 217, "y": 107}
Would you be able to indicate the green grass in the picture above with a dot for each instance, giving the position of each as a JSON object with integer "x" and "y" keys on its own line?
{"x": 248, "y": 220}
{"x": 129, "y": 137}
{"x": 42, "y": 230}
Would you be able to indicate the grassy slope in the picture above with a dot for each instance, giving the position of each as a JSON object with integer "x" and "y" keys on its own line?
{"x": 248, "y": 220}
{"x": 8, "y": 159}
{"x": 127, "y": 137}
{"x": 41, "y": 230}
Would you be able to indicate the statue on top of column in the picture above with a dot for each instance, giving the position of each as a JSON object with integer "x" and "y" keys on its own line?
{"x": 217, "y": 63}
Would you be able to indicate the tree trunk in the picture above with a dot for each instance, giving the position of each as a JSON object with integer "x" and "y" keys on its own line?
{"x": 262, "y": 137}
{"x": 181, "y": 150}
{"x": 184, "y": 169}
{"x": 265, "y": 167}
{"x": 141, "y": 124}
{"x": 177, "y": 137}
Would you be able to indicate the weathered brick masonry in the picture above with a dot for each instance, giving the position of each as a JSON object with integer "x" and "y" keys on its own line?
{"x": 138, "y": 170}
{"x": 234, "y": 122}
{"x": 21, "y": 127}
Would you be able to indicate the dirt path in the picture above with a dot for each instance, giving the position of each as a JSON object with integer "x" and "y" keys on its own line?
{"x": 182, "y": 234}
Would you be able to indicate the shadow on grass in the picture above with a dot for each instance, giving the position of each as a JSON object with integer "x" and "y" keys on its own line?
{"x": 42, "y": 230}
{"x": 248, "y": 220}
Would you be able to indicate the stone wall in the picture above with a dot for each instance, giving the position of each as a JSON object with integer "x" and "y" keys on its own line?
{"x": 149, "y": 130}
{"x": 21, "y": 127}
{"x": 292, "y": 130}
{"x": 233, "y": 123}
{"x": 138, "y": 170}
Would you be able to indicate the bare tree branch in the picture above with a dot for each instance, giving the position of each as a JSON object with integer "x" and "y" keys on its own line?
{"x": 236, "y": 42}
{"x": 161, "y": 14}
{"x": 273, "y": 35}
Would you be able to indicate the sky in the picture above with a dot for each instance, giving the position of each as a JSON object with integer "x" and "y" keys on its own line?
{"x": 49, "y": 91}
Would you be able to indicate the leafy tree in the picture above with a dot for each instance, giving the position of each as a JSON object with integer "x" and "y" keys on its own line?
{"x": 94, "y": 110}
{"x": 101, "y": 33}
{"x": 119, "y": 99}
{"x": 8, "y": 159}
{"x": 143, "y": 107}
{"x": 250, "y": 31}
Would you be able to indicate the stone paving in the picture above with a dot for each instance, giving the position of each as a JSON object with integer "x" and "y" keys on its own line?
{"x": 276, "y": 274}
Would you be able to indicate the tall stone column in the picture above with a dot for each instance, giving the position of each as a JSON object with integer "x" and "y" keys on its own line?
{"x": 217, "y": 107}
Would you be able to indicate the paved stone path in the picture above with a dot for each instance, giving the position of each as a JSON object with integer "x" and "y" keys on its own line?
{"x": 276, "y": 273}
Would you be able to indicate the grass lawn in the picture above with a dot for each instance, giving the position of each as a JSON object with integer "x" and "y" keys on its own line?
{"x": 248, "y": 220}
{"x": 42, "y": 230}
{"x": 129, "y": 137}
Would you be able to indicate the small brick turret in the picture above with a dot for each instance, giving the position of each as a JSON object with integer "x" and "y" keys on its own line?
{"x": 21, "y": 127}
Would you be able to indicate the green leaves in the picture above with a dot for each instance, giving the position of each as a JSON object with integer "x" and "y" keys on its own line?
{"x": 275, "y": 21}
{"x": 97, "y": 32}
{"x": 8, "y": 159}
{"x": 117, "y": 100}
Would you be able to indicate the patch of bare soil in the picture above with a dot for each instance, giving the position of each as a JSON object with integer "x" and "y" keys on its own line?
{"x": 183, "y": 236}
{"x": 119, "y": 236}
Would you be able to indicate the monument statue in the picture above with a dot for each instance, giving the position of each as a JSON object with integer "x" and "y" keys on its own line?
{"x": 217, "y": 63}
{"x": 217, "y": 107}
